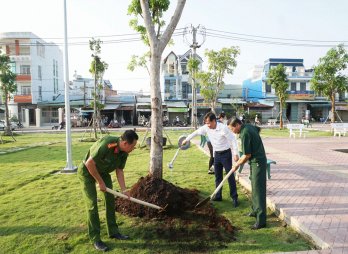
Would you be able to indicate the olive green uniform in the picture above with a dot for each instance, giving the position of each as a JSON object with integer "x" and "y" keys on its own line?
{"x": 252, "y": 144}
{"x": 107, "y": 158}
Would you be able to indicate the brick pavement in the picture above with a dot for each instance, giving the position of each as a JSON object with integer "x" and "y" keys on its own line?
{"x": 309, "y": 188}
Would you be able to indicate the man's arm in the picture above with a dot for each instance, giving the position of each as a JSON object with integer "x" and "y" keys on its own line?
{"x": 199, "y": 131}
{"x": 242, "y": 160}
{"x": 121, "y": 181}
{"x": 92, "y": 169}
{"x": 233, "y": 141}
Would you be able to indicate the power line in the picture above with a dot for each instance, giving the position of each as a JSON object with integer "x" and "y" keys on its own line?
{"x": 276, "y": 38}
{"x": 220, "y": 36}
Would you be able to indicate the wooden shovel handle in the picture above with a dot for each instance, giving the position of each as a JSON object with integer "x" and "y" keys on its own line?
{"x": 118, "y": 194}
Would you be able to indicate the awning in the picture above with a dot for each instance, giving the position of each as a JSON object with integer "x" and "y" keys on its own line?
{"x": 111, "y": 106}
{"x": 125, "y": 108}
{"x": 144, "y": 109}
{"x": 320, "y": 105}
{"x": 177, "y": 110}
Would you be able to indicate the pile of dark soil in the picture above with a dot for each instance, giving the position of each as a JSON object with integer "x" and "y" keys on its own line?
{"x": 180, "y": 220}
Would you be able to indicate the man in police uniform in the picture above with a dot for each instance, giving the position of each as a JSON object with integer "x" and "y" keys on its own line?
{"x": 254, "y": 152}
{"x": 105, "y": 155}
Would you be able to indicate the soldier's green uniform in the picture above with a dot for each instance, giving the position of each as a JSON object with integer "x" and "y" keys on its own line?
{"x": 107, "y": 158}
{"x": 252, "y": 144}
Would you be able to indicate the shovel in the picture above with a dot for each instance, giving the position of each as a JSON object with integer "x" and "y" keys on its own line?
{"x": 118, "y": 194}
{"x": 181, "y": 147}
{"x": 206, "y": 200}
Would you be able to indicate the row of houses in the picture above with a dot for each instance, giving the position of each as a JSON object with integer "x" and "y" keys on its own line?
{"x": 39, "y": 99}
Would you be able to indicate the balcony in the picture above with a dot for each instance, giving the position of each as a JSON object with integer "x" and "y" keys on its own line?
{"x": 23, "y": 98}
{"x": 23, "y": 77}
{"x": 20, "y": 58}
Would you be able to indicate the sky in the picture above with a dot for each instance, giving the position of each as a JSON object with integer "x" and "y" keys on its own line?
{"x": 262, "y": 29}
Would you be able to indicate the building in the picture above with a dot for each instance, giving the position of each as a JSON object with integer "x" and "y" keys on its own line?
{"x": 176, "y": 85}
{"x": 302, "y": 101}
{"x": 39, "y": 68}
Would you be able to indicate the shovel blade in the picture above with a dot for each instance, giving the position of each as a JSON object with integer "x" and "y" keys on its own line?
{"x": 203, "y": 202}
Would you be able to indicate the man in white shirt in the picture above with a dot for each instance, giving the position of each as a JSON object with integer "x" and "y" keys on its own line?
{"x": 222, "y": 139}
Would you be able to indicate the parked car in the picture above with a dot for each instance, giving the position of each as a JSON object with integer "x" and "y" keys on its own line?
{"x": 3, "y": 125}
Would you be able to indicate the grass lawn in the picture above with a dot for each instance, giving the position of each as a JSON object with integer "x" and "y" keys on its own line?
{"x": 43, "y": 212}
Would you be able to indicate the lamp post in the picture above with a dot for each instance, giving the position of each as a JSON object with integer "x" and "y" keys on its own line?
{"x": 69, "y": 168}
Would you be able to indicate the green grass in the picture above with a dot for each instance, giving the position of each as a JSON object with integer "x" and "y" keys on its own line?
{"x": 43, "y": 212}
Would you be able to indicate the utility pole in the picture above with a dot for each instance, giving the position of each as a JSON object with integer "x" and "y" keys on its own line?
{"x": 194, "y": 45}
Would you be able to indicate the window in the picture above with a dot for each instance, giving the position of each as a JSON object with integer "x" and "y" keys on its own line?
{"x": 171, "y": 69}
{"x": 39, "y": 74}
{"x": 293, "y": 86}
{"x": 25, "y": 90}
{"x": 183, "y": 69}
{"x": 268, "y": 88}
{"x": 25, "y": 69}
{"x": 303, "y": 86}
{"x": 55, "y": 85}
{"x": 40, "y": 49}
{"x": 185, "y": 90}
{"x": 40, "y": 92}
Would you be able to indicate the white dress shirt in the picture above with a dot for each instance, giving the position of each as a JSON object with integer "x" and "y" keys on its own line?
{"x": 221, "y": 137}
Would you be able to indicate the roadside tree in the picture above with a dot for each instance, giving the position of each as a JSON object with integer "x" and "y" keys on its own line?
{"x": 220, "y": 63}
{"x": 278, "y": 80}
{"x": 97, "y": 69}
{"x": 152, "y": 14}
{"x": 7, "y": 87}
{"x": 328, "y": 78}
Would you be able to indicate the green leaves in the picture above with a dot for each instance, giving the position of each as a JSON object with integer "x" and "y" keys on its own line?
{"x": 219, "y": 63}
{"x": 327, "y": 78}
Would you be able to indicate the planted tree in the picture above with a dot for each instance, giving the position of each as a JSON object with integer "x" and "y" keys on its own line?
{"x": 98, "y": 68}
{"x": 328, "y": 78}
{"x": 152, "y": 14}
{"x": 7, "y": 87}
{"x": 278, "y": 80}
{"x": 220, "y": 63}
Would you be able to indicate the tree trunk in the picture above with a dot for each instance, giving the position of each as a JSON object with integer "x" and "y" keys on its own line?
{"x": 7, "y": 115}
{"x": 281, "y": 115}
{"x": 333, "y": 117}
{"x": 95, "y": 102}
{"x": 156, "y": 152}
{"x": 157, "y": 47}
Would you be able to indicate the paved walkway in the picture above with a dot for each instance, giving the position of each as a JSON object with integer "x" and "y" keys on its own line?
{"x": 309, "y": 188}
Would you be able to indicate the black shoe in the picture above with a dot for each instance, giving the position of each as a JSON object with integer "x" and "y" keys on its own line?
{"x": 119, "y": 236}
{"x": 100, "y": 245}
{"x": 216, "y": 199}
{"x": 251, "y": 214}
{"x": 235, "y": 202}
{"x": 257, "y": 226}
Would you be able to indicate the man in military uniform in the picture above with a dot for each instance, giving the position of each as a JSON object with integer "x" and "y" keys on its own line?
{"x": 106, "y": 155}
{"x": 254, "y": 152}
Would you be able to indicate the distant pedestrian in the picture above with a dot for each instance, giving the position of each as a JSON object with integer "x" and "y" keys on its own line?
{"x": 257, "y": 121}
{"x": 254, "y": 152}
{"x": 222, "y": 118}
{"x": 222, "y": 139}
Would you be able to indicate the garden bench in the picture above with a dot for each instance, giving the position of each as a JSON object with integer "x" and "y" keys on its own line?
{"x": 296, "y": 128}
{"x": 269, "y": 162}
{"x": 271, "y": 121}
{"x": 339, "y": 129}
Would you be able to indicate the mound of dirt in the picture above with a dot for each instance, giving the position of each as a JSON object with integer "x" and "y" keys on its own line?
{"x": 203, "y": 223}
